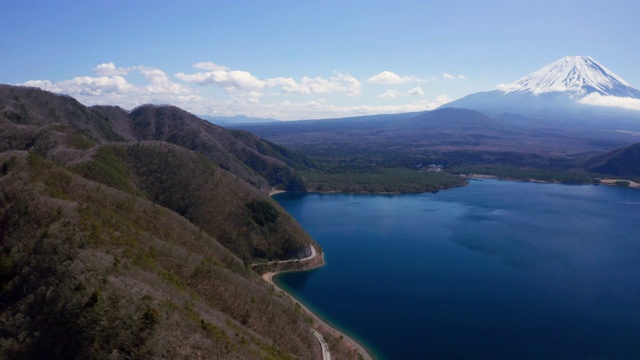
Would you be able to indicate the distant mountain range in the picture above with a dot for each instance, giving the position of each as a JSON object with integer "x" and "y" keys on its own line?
{"x": 619, "y": 162}
{"x": 574, "y": 88}
{"x": 549, "y": 113}
{"x": 237, "y": 119}
{"x": 552, "y": 110}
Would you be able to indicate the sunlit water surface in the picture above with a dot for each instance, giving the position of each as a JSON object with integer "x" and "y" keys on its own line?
{"x": 496, "y": 269}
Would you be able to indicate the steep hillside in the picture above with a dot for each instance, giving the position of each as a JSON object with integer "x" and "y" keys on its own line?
{"x": 93, "y": 272}
{"x": 621, "y": 162}
{"x": 196, "y": 188}
{"x": 64, "y": 129}
{"x": 234, "y": 152}
{"x": 123, "y": 236}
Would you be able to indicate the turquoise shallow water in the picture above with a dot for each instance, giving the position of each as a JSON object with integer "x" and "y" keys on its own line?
{"x": 496, "y": 269}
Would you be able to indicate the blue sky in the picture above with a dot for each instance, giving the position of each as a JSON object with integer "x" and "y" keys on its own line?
{"x": 303, "y": 59}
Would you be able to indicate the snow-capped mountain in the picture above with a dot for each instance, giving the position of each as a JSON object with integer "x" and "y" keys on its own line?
{"x": 578, "y": 75}
{"x": 573, "y": 84}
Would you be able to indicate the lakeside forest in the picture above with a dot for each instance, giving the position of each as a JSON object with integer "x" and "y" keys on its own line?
{"x": 131, "y": 234}
{"x": 419, "y": 152}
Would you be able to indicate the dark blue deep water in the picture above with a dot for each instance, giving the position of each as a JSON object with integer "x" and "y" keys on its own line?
{"x": 494, "y": 270}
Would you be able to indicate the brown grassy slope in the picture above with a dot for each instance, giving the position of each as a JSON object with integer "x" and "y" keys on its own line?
{"x": 245, "y": 153}
{"x": 92, "y": 272}
{"x": 62, "y": 128}
{"x": 190, "y": 184}
{"x": 97, "y": 270}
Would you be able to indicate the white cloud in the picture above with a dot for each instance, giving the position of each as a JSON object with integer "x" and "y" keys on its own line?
{"x": 389, "y": 94}
{"x": 159, "y": 82}
{"x": 241, "y": 80}
{"x": 612, "y": 101}
{"x": 43, "y": 84}
{"x": 388, "y": 77}
{"x": 233, "y": 92}
{"x": 110, "y": 69}
{"x": 245, "y": 81}
{"x": 351, "y": 84}
{"x": 96, "y": 86}
{"x": 117, "y": 90}
{"x": 208, "y": 65}
{"x": 453, "y": 77}
{"x": 416, "y": 91}
{"x": 439, "y": 101}
{"x": 509, "y": 87}
{"x": 394, "y": 94}
{"x": 337, "y": 83}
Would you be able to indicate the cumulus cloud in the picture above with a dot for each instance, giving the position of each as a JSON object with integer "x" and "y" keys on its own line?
{"x": 111, "y": 83}
{"x": 439, "y": 101}
{"x": 86, "y": 85}
{"x": 416, "y": 91}
{"x": 110, "y": 69}
{"x": 159, "y": 82}
{"x": 394, "y": 94}
{"x": 114, "y": 89}
{"x": 453, "y": 77}
{"x": 208, "y": 65}
{"x": 389, "y": 77}
{"x": 245, "y": 81}
{"x": 231, "y": 92}
{"x": 612, "y": 101}
{"x": 337, "y": 83}
{"x": 42, "y": 84}
{"x": 236, "y": 79}
{"x": 389, "y": 94}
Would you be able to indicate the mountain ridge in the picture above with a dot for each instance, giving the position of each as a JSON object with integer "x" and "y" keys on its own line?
{"x": 578, "y": 75}
{"x": 48, "y": 121}
{"x": 620, "y": 162}
{"x": 573, "y": 90}
{"x": 122, "y": 236}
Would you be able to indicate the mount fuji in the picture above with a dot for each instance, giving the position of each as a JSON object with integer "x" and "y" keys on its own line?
{"x": 573, "y": 85}
{"x": 567, "y": 108}
{"x": 577, "y": 75}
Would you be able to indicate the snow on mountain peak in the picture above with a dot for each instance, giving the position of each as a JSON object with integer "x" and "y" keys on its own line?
{"x": 577, "y": 75}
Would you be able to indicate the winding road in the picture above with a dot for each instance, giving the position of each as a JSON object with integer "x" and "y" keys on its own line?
{"x": 313, "y": 254}
{"x": 268, "y": 277}
{"x": 325, "y": 347}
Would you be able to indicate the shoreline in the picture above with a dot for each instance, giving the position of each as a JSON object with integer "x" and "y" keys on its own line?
{"x": 318, "y": 322}
{"x": 276, "y": 191}
{"x": 348, "y": 341}
{"x": 613, "y": 182}
{"x": 471, "y": 177}
{"x": 602, "y": 181}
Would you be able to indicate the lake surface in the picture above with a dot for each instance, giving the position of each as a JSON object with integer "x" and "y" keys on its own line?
{"x": 496, "y": 269}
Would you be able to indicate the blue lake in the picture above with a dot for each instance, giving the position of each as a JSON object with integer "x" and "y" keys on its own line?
{"x": 497, "y": 269}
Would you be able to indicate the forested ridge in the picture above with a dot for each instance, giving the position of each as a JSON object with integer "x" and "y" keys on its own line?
{"x": 130, "y": 235}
